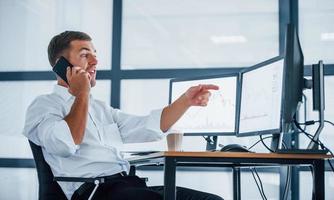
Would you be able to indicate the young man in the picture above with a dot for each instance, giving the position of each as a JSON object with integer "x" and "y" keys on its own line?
{"x": 79, "y": 135}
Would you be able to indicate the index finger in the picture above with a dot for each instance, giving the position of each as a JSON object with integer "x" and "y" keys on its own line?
{"x": 76, "y": 68}
{"x": 68, "y": 71}
{"x": 210, "y": 87}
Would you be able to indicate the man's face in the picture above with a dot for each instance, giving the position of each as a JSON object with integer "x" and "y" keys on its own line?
{"x": 83, "y": 54}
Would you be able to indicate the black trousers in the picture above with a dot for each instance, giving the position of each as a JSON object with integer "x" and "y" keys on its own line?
{"x": 134, "y": 188}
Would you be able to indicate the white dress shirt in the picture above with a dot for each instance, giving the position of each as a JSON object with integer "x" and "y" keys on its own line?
{"x": 106, "y": 130}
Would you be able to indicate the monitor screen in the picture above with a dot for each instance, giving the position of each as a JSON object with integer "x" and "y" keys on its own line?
{"x": 261, "y": 98}
{"x": 219, "y": 116}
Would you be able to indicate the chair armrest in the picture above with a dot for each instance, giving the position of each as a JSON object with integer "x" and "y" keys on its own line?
{"x": 79, "y": 179}
{"x": 86, "y": 180}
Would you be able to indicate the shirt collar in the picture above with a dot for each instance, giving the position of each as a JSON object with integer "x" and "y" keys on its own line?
{"x": 63, "y": 92}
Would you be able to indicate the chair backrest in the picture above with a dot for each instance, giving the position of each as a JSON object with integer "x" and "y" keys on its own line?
{"x": 48, "y": 188}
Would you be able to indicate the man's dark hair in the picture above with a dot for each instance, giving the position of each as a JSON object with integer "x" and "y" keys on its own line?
{"x": 61, "y": 42}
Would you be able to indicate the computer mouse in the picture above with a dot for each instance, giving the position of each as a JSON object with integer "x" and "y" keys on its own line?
{"x": 234, "y": 148}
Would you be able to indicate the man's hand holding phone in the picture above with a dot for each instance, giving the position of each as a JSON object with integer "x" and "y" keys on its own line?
{"x": 76, "y": 77}
{"x": 78, "y": 81}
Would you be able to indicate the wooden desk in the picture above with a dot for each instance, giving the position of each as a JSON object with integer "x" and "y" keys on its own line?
{"x": 171, "y": 160}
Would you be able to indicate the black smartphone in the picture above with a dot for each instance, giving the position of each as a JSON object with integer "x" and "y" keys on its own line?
{"x": 61, "y": 66}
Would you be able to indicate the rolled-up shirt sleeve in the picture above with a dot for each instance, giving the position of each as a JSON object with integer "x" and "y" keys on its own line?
{"x": 46, "y": 127}
{"x": 56, "y": 137}
{"x": 135, "y": 129}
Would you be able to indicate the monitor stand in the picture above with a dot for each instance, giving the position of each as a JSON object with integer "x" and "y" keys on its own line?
{"x": 275, "y": 142}
{"x": 211, "y": 142}
{"x": 276, "y": 146}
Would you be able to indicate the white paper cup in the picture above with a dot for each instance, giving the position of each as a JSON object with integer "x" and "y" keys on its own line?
{"x": 174, "y": 141}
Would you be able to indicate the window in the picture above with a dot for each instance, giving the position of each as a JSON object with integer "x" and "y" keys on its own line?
{"x": 26, "y": 28}
{"x": 316, "y": 30}
{"x": 16, "y": 97}
{"x": 198, "y": 33}
{"x": 141, "y": 96}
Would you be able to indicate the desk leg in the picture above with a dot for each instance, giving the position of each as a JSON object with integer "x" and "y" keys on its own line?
{"x": 295, "y": 191}
{"x": 236, "y": 184}
{"x": 169, "y": 179}
{"x": 319, "y": 179}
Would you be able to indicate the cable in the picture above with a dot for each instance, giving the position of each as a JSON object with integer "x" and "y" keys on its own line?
{"x": 313, "y": 189}
{"x": 307, "y": 123}
{"x": 288, "y": 178}
{"x": 330, "y": 164}
{"x": 329, "y": 122}
{"x": 331, "y": 152}
{"x": 257, "y": 184}
{"x": 289, "y": 169}
{"x": 261, "y": 140}
{"x": 317, "y": 142}
{"x": 311, "y": 122}
{"x": 260, "y": 187}
{"x": 258, "y": 142}
{"x": 312, "y": 139}
{"x": 264, "y": 144}
{"x": 269, "y": 149}
{"x": 287, "y": 183}
{"x": 309, "y": 135}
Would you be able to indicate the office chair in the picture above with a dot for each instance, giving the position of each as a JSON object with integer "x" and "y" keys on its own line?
{"x": 49, "y": 189}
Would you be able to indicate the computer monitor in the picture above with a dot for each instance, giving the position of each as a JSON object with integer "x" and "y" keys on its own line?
{"x": 294, "y": 83}
{"x": 318, "y": 93}
{"x": 260, "y": 100}
{"x": 218, "y": 117}
{"x": 292, "y": 90}
{"x": 293, "y": 76}
{"x": 318, "y": 86}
